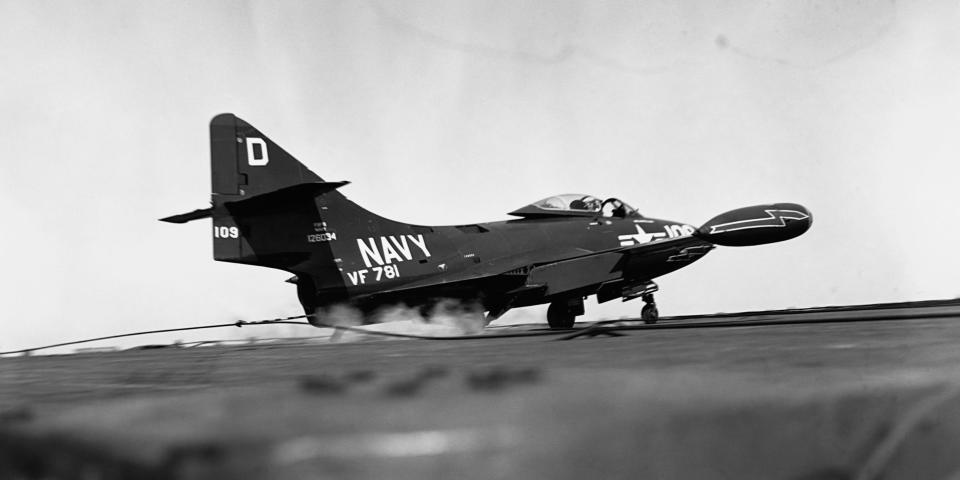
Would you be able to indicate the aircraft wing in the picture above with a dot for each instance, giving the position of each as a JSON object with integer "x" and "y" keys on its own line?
{"x": 578, "y": 270}
{"x": 636, "y": 262}
{"x": 480, "y": 272}
{"x": 681, "y": 249}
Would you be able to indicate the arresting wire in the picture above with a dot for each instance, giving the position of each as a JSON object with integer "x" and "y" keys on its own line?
{"x": 604, "y": 327}
{"x": 289, "y": 321}
{"x": 238, "y": 323}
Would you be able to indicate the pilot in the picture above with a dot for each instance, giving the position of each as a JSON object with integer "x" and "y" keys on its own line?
{"x": 620, "y": 211}
{"x": 592, "y": 204}
{"x": 578, "y": 205}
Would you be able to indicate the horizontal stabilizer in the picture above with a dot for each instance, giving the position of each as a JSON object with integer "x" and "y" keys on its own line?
{"x": 278, "y": 199}
{"x": 186, "y": 217}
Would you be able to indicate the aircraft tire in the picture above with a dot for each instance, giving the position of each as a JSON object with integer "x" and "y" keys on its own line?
{"x": 650, "y": 314}
{"x": 559, "y": 316}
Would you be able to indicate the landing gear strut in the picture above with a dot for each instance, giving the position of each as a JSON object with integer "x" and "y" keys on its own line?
{"x": 562, "y": 313}
{"x": 649, "y": 313}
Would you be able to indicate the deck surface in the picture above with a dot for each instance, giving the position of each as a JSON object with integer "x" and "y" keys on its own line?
{"x": 810, "y": 400}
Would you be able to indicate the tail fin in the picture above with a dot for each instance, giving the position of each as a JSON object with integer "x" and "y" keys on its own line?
{"x": 270, "y": 210}
{"x": 262, "y": 200}
{"x": 245, "y": 163}
{"x": 261, "y": 195}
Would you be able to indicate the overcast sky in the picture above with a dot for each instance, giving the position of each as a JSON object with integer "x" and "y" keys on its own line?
{"x": 445, "y": 112}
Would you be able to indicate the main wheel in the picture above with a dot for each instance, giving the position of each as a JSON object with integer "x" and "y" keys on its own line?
{"x": 650, "y": 314}
{"x": 560, "y": 316}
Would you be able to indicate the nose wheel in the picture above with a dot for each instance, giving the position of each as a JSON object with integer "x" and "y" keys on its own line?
{"x": 649, "y": 314}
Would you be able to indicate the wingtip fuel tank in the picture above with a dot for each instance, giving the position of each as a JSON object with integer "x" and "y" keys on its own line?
{"x": 757, "y": 225}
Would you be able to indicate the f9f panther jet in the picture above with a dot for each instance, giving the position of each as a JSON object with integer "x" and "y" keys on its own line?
{"x": 268, "y": 209}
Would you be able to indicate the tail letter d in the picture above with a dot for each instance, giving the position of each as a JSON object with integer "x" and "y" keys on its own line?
{"x": 257, "y": 152}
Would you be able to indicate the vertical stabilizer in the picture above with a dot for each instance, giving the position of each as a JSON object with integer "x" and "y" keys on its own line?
{"x": 244, "y": 162}
{"x": 270, "y": 210}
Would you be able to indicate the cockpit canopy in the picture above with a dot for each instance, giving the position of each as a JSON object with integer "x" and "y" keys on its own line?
{"x": 570, "y": 201}
{"x": 576, "y": 205}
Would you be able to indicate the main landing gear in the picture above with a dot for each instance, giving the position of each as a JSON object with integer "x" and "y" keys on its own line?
{"x": 562, "y": 313}
{"x": 649, "y": 314}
